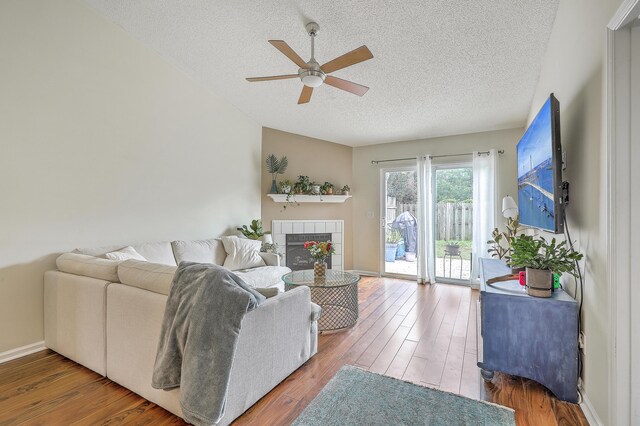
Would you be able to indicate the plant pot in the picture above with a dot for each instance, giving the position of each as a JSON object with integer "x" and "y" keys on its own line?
{"x": 400, "y": 250}
{"x": 286, "y": 189}
{"x": 390, "y": 252}
{"x": 330, "y": 191}
{"x": 319, "y": 272}
{"x": 315, "y": 189}
{"x": 345, "y": 193}
{"x": 539, "y": 282}
{"x": 452, "y": 250}
{"x": 516, "y": 271}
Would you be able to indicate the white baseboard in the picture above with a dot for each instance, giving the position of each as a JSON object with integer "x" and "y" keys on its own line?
{"x": 589, "y": 411}
{"x": 21, "y": 351}
{"x": 365, "y": 273}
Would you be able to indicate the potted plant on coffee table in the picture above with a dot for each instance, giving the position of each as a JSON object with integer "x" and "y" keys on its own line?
{"x": 542, "y": 259}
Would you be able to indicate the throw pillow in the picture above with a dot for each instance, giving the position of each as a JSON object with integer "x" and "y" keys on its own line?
{"x": 125, "y": 254}
{"x": 242, "y": 253}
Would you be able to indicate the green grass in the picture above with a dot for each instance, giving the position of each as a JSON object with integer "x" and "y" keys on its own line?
{"x": 465, "y": 248}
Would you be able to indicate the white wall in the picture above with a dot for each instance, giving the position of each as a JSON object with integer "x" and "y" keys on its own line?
{"x": 103, "y": 142}
{"x": 366, "y": 180}
{"x": 573, "y": 69}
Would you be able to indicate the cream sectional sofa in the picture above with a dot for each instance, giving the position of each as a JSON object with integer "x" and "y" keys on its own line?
{"x": 106, "y": 315}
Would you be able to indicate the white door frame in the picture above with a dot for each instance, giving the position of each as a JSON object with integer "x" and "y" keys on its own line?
{"x": 621, "y": 150}
{"x": 383, "y": 218}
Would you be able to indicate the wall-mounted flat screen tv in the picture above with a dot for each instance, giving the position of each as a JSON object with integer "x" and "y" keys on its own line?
{"x": 540, "y": 196}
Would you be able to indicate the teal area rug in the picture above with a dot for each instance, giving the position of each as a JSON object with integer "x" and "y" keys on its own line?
{"x": 358, "y": 397}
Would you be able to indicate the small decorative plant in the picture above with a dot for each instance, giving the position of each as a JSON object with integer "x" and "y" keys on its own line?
{"x": 269, "y": 248}
{"x": 537, "y": 253}
{"x": 276, "y": 167}
{"x": 286, "y": 186}
{"x": 393, "y": 236}
{"x": 302, "y": 185}
{"x": 254, "y": 231}
{"x": 346, "y": 190}
{"x": 315, "y": 188}
{"x": 497, "y": 247}
{"x": 320, "y": 250}
{"x": 327, "y": 188}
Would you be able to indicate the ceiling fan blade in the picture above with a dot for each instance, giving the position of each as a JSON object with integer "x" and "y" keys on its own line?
{"x": 273, "y": 77}
{"x": 305, "y": 96}
{"x": 360, "y": 54}
{"x": 282, "y": 46}
{"x": 349, "y": 86}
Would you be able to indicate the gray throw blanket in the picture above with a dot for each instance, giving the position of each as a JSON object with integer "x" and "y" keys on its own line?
{"x": 199, "y": 335}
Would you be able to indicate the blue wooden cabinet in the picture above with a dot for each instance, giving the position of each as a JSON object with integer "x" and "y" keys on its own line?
{"x": 527, "y": 336}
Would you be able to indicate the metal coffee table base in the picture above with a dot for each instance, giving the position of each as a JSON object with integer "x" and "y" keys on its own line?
{"x": 339, "y": 306}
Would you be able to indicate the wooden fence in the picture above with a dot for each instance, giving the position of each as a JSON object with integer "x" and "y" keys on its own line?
{"x": 454, "y": 221}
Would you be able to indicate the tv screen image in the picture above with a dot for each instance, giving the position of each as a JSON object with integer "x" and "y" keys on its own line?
{"x": 539, "y": 171}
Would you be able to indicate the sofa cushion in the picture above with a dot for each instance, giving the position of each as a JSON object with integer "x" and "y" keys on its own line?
{"x": 125, "y": 254}
{"x": 147, "y": 275}
{"x": 201, "y": 251}
{"x": 88, "y": 266}
{"x": 242, "y": 253}
{"x": 154, "y": 252}
{"x": 157, "y": 252}
{"x": 264, "y": 276}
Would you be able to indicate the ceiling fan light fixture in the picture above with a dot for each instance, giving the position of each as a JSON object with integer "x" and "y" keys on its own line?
{"x": 312, "y": 78}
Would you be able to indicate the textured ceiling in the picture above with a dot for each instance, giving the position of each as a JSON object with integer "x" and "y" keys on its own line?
{"x": 439, "y": 68}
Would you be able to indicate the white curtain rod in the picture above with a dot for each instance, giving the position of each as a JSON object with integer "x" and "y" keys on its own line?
{"x": 433, "y": 156}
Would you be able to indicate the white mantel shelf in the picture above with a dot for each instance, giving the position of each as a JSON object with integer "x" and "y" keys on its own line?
{"x": 282, "y": 198}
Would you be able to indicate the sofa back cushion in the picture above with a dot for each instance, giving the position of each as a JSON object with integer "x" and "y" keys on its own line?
{"x": 125, "y": 254}
{"x": 147, "y": 275}
{"x": 88, "y": 266}
{"x": 201, "y": 251}
{"x": 157, "y": 252}
{"x": 154, "y": 252}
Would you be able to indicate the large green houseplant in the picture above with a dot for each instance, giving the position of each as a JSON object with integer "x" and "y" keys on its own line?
{"x": 542, "y": 259}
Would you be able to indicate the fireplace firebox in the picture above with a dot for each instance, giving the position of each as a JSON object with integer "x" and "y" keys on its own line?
{"x": 298, "y": 257}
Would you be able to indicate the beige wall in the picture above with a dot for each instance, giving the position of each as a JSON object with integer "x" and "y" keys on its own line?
{"x": 366, "y": 180}
{"x": 321, "y": 161}
{"x": 103, "y": 142}
{"x": 573, "y": 70}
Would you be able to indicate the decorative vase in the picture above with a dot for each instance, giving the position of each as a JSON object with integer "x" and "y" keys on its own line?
{"x": 345, "y": 193}
{"x": 286, "y": 189}
{"x": 320, "y": 272}
{"x": 274, "y": 187}
{"x": 315, "y": 189}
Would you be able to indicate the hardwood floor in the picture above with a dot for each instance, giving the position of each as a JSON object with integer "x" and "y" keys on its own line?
{"x": 423, "y": 334}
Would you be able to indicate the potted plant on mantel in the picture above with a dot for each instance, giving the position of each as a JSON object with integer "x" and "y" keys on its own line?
{"x": 276, "y": 167}
{"x": 542, "y": 259}
{"x": 345, "y": 190}
{"x": 327, "y": 188}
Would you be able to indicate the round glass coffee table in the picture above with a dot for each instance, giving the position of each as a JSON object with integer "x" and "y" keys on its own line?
{"x": 337, "y": 295}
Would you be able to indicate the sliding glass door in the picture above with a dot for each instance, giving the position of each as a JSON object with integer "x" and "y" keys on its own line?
{"x": 453, "y": 222}
{"x": 398, "y": 221}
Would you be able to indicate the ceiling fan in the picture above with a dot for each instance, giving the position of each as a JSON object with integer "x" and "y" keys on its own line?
{"x": 313, "y": 74}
